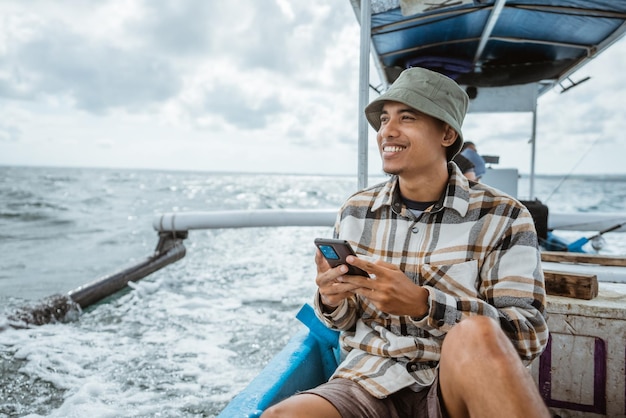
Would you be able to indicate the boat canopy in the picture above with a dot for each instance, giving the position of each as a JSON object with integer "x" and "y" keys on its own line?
{"x": 492, "y": 43}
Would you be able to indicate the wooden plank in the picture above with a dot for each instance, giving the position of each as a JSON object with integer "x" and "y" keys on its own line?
{"x": 582, "y": 258}
{"x": 571, "y": 285}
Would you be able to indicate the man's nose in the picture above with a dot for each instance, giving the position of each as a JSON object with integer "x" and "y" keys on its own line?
{"x": 388, "y": 129}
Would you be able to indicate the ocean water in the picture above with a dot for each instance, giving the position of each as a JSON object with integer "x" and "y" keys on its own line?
{"x": 185, "y": 340}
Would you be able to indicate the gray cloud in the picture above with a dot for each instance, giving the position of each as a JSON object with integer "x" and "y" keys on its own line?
{"x": 56, "y": 61}
{"x": 177, "y": 28}
{"x": 152, "y": 58}
{"x": 255, "y": 33}
{"x": 96, "y": 76}
{"x": 249, "y": 32}
{"x": 230, "y": 102}
{"x": 273, "y": 47}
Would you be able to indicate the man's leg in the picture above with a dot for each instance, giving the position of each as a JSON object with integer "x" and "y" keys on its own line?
{"x": 481, "y": 374}
{"x": 304, "y": 405}
{"x": 343, "y": 398}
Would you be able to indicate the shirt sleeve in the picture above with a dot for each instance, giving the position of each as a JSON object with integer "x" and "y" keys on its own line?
{"x": 512, "y": 291}
{"x": 343, "y": 318}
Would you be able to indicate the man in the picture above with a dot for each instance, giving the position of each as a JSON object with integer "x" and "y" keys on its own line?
{"x": 470, "y": 152}
{"x": 466, "y": 166}
{"x": 455, "y": 303}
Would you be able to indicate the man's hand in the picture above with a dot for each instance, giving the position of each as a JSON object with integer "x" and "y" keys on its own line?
{"x": 332, "y": 290}
{"x": 390, "y": 290}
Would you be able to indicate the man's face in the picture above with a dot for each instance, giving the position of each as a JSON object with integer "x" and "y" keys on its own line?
{"x": 410, "y": 142}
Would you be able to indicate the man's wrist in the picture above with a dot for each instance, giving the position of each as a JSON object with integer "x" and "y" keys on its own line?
{"x": 326, "y": 308}
{"x": 423, "y": 304}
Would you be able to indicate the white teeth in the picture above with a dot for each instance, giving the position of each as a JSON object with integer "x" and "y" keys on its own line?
{"x": 392, "y": 149}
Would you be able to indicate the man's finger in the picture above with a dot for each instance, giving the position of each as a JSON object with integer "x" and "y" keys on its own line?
{"x": 366, "y": 292}
{"x": 321, "y": 262}
{"x": 369, "y": 266}
{"x": 386, "y": 265}
{"x": 356, "y": 281}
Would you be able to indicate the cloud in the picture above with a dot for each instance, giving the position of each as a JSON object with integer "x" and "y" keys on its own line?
{"x": 55, "y": 61}
{"x": 233, "y": 103}
{"x": 212, "y": 80}
{"x": 151, "y": 56}
{"x": 176, "y": 28}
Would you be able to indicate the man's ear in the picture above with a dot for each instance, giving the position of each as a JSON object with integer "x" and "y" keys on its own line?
{"x": 450, "y": 136}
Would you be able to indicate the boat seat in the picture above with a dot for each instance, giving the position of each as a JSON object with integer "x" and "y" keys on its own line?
{"x": 539, "y": 212}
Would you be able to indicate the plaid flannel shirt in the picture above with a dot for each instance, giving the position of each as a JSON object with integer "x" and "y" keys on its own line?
{"x": 475, "y": 252}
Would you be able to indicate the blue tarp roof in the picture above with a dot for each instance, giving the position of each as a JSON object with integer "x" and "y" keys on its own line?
{"x": 492, "y": 43}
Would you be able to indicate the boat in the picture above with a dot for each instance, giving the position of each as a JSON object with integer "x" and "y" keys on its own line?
{"x": 506, "y": 54}
{"x": 498, "y": 50}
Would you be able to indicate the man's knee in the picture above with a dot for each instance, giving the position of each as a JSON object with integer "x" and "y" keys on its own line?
{"x": 474, "y": 327}
{"x": 275, "y": 411}
{"x": 477, "y": 337}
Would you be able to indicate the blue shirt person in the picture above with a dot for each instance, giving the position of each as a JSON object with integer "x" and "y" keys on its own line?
{"x": 469, "y": 152}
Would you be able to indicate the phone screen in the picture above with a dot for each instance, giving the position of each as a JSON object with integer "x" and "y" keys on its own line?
{"x": 329, "y": 252}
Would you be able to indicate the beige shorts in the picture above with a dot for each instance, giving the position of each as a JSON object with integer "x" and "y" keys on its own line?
{"x": 352, "y": 401}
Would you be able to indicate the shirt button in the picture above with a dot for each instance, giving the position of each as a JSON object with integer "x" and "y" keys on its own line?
{"x": 411, "y": 367}
{"x": 415, "y": 229}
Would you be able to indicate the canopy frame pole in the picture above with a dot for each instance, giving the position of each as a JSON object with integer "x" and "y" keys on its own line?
{"x": 491, "y": 23}
{"x": 533, "y": 146}
{"x": 364, "y": 79}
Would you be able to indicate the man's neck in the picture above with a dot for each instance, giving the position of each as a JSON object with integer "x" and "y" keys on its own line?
{"x": 424, "y": 188}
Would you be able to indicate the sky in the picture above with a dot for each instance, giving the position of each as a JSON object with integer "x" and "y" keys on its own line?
{"x": 244, "y": 86}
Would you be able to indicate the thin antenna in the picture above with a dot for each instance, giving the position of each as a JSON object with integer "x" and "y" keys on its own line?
{"x": 582, "y": 157}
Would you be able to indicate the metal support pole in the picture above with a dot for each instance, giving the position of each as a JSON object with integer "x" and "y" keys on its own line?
{"x": 533, "y": 151}
{"x": 364, "y": 81}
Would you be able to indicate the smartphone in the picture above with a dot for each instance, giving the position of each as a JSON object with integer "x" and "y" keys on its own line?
{"x": 335, "y": 252}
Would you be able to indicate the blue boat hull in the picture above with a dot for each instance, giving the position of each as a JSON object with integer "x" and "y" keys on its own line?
{"x": 307, "y": 360}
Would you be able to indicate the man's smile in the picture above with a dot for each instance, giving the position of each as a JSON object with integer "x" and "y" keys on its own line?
{"x": 393, "y": 148}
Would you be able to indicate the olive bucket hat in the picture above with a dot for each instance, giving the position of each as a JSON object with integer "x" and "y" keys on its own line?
{"x": 428, "y": 92}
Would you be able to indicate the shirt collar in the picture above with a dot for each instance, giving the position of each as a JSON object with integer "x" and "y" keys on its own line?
{"x": 455, "y": 196}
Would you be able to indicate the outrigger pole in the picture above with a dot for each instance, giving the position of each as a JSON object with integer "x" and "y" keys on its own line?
{"x": 172, "y": 228}
{"x": 57, "y": 308}
{"x": 169, "y": 249}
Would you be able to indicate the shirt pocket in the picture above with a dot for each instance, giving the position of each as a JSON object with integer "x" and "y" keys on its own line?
{"x": 460, "y": 279}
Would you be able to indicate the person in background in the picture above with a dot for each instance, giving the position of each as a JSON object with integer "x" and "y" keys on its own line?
{"x": 455, "y": 303}
{"x": 466, "y": 166}
{"x": 469, "y": 151}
